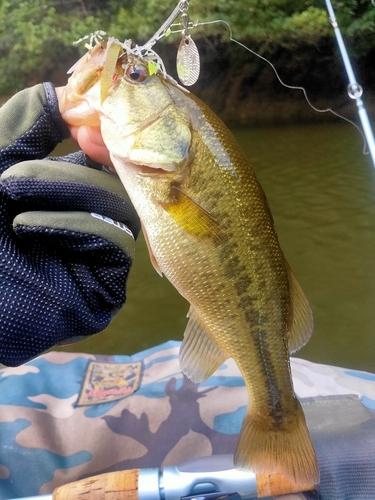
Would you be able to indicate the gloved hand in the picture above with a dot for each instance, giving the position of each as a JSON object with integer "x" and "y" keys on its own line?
{"x": 66, "y": 246}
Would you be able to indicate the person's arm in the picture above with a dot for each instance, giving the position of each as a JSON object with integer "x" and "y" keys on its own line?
{"x": 34, "y": 113}
{"x": 66, "y": 234}
{"x": 30, "y": 125}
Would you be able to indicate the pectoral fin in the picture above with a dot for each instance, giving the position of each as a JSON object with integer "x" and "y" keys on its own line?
{"x": 191, "y": 216}
{"x": 302, "y": 323}
{"x": 200, "y": 356}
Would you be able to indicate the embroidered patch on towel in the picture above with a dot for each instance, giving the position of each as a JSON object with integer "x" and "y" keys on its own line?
{"x": 107, "y": 382}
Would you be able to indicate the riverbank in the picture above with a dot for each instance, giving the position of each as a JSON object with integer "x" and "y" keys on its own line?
{"x": 244, "y": 90}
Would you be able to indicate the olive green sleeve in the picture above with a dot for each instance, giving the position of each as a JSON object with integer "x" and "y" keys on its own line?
{"x": 30, "y": 125}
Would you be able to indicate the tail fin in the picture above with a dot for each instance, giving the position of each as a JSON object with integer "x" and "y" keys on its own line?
{"x": 287, "y": 450}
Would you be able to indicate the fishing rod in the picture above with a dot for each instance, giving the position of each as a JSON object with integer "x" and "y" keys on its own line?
{"x": 205, "y": 478}
{"x": 355, "y": 90}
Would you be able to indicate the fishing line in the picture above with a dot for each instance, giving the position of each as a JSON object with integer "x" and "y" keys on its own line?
{"x": 292, "y": 87}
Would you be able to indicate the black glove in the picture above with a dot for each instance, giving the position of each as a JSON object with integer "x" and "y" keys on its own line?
{"x": 66, "y": 246}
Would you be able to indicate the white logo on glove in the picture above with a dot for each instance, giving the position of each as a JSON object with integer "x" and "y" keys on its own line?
{"x": 115, "y": 223}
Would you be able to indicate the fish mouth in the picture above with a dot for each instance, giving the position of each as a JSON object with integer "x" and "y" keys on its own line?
{"x": 146, "y": 170}
{"x": 141, "y": 169}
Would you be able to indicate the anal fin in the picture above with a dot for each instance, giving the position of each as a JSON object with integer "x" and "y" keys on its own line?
{"x": 200, "y": 356}
{"x": 302, "y": 322}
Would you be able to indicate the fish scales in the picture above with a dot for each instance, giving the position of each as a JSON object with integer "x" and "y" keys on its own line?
{"x": 210, "y": 232}
{"x": 254, "y": 278}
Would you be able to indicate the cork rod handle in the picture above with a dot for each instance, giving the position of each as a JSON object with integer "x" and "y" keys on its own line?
{"x": 123, "y": 485}
{"x": 120, "y": 485}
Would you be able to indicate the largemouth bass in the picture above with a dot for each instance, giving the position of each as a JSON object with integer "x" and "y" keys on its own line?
{"x": 209, "y": 230}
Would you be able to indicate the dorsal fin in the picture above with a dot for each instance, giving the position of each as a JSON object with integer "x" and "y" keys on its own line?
{"x": 302, "y": 323}
{"x": 200, "y": 356}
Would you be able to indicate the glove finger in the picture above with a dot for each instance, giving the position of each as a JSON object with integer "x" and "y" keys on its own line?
{"x": 65, "y": 172}
{"x": 70, "y": 227}
{"x": 53, "y": 186}
{"x": 64, "y": 276}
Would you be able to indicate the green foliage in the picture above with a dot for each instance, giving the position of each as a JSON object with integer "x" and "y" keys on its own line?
{"x": 36, "y": 36}
{"x": 282, "y": 22}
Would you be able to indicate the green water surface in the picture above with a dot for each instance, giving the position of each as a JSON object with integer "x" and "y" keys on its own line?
{"x": 321, "y": 190}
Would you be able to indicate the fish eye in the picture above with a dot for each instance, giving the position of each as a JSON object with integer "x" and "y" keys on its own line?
{"x": 136, "y": 73}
